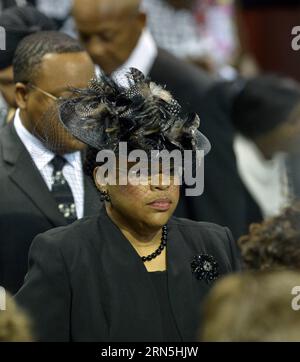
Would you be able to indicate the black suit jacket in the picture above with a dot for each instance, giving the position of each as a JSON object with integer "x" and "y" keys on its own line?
{"x": 26, "y": 207}
{"x": 87, "y": 283}
{"x": 225, "y": 199}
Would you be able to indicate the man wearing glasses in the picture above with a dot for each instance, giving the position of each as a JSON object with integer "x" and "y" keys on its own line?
{"x": 41, "y": 178}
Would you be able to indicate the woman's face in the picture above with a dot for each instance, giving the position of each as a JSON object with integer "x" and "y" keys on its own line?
{"x": 148, "y": 205}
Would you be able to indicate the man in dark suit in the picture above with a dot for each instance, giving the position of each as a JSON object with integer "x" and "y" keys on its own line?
{"x": 115, "y": 36}
{"x": 41, "y": 179}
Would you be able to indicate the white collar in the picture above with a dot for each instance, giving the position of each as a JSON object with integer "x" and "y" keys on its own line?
{"x": 142, "y": 58}
{"x": 143, "y": 55}
{"x": 37, "y": 150}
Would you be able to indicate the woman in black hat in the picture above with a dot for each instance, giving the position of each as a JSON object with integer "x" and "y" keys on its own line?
{"x": 134, "y": 272}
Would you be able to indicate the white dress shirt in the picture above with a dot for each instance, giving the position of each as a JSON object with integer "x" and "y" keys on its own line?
{"x": 42, "y": 158}
{"x": 142, "y": 56}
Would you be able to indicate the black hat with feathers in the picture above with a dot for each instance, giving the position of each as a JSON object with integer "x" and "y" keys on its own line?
{"x": 143, "y": 114}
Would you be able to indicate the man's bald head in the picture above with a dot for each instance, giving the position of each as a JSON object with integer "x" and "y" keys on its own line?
{"x": 109, "y": 29}
{"x": 105, "y": 7}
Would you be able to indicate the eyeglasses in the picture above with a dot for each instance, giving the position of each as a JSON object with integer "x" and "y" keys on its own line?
{"x": 30, "y": 85}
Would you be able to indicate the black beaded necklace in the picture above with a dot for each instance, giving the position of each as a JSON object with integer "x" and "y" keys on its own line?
{"x": 161, "y": 247}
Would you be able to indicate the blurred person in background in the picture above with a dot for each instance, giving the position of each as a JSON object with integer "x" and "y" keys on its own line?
{"x": 200, "y": 31}
{"x": 253, "y": 307}
{"x": 257, "y": 305}
{"x": 42, "y": 184}
{"x": 267, "y": 37}
{"x": 56, "y": 10}
{"x": 275, "y": 243}
{"x": 18, "y": 22}
{"x": 266, "y": 117}
{"x": 5, "y": 4}
{"x": 14, "y": 324}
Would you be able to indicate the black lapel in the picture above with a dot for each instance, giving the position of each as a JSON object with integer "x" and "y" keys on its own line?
{"x": 27, "y": 177}
{"x": 185, "y": 290}
{"x": 92, "y": 203}
{"x": 134, "y": 296}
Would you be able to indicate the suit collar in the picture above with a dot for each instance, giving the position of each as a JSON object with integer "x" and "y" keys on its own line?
{"x": 36, "y": 149}
{"x": 185, "y": 290}
{"x": 12, "y": 146}
{"x": 26, "y": 176}
{"x": 92, "y": 203}
{"x": 40, "y": 154}
{"x": 134, "y": 290}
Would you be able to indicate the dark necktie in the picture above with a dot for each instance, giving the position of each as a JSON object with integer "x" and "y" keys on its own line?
{"x": 61, "y": 190}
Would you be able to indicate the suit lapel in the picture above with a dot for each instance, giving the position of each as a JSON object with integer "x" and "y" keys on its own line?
{"x": 92, "y": 203}
{"x": 27, "y": 177}
{"x": 185, "y": 290}
{"x": 134, "y": 297}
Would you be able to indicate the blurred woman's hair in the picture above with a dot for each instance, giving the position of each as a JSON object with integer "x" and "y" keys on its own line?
{"x": 275, "y": 243}
{"x": 254, "y": 306}
{"x": 14, "y": 324}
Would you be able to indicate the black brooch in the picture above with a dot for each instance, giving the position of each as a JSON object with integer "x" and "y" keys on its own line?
{"x": 205, "y": 267}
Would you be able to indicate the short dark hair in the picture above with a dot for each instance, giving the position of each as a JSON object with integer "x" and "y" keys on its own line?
{"x": 31, "y": 50}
